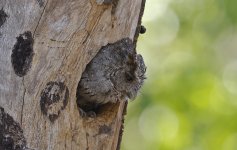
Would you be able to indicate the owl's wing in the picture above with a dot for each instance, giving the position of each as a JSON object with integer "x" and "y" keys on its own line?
{"x": 94, "y": 87}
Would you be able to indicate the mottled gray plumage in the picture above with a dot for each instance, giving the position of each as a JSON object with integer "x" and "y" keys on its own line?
{"x": 115, "y": 73}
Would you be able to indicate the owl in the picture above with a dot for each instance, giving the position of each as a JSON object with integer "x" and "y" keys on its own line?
{"x": 116, "y": 73}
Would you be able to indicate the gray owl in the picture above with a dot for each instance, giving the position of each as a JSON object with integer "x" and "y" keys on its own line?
{"x": 115, "y": 73}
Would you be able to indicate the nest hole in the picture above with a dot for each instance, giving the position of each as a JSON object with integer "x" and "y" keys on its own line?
{"x": 99, "y": 110}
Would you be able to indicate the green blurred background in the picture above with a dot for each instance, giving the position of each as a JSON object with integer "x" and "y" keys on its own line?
{"x": 189, "y": 101}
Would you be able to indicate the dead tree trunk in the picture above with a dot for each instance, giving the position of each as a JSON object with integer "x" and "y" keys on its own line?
{"x": 45, "y": 45}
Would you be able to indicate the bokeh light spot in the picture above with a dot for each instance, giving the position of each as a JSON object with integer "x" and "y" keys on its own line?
{"x": 158, "y": 123}
{"x": 230, "y": 77}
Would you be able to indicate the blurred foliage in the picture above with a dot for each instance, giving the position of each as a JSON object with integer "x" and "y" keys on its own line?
{"x": 189, "y": 101}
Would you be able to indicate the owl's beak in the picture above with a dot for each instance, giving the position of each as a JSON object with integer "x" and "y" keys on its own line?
{"x": 126, "y": 98}
{"x": 129, "y": 95}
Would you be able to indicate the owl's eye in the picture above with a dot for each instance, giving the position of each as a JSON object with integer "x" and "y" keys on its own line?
{"x": 129, "y": 77}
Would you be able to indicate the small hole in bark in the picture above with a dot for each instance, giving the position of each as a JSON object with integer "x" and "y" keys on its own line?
{"x": 22, "y": 54}
{"x": 11, "y": 134}
{"x": 54, "y": 99}
{"x": 3, "y": 17}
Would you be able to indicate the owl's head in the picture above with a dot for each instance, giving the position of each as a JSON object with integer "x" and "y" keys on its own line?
{"x": 131, "y": 76}
{"x": 135, "y": 76}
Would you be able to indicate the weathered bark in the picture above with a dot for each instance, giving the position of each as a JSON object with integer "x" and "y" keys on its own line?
{"x": 46, "y": 45}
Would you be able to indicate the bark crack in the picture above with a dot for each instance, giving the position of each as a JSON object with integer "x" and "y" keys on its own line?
{"x": 40, "y": 19}
{"x": 65, "y": 144}
{"x": 87, "y": 144}
{"x": 139, "y": 22}
{"x": 23, "y": 100}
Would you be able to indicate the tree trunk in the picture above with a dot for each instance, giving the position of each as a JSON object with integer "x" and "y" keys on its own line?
{"x": 44, "y": 47}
